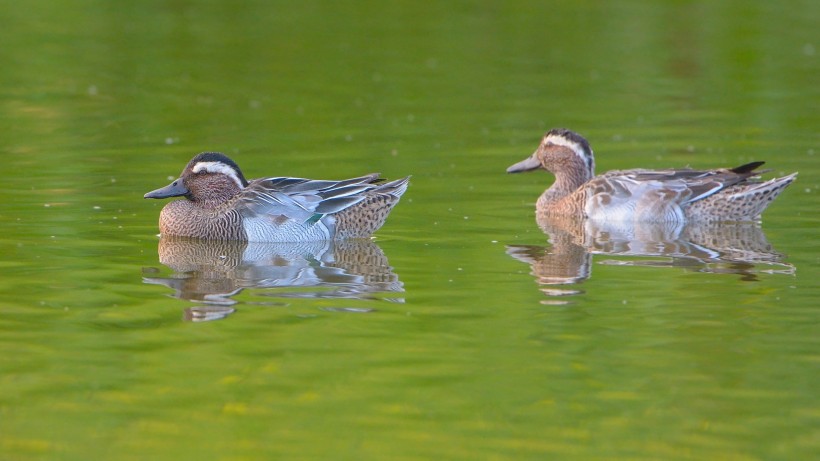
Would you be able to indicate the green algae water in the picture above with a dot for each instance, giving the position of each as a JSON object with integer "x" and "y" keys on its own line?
{"x": 465, "y": 330}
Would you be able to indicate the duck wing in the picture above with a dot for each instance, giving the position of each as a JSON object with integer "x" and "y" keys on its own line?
{"x": 303, "y": 199}
{"x": 683, "y": 185}
{"x": 657, "y": 195}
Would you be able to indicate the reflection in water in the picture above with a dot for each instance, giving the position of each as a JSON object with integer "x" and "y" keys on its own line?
{"x": 726, "y": 248}
{"x": 212, "y": 273}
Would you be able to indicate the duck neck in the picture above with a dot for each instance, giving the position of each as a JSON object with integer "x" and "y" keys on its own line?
{"x": 214, "y": 198}
{"x": 210, "y": 204}
{"x": 567, "y": 180}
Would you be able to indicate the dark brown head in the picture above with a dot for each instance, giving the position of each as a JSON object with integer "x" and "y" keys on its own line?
{"x": 210, "y": 177}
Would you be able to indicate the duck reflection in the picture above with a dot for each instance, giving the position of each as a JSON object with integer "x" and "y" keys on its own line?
{"x": 212, "y": 273}
{"x": 727, "y": 248}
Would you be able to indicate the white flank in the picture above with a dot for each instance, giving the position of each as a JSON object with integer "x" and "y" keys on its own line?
{"x": 219, "y": 168}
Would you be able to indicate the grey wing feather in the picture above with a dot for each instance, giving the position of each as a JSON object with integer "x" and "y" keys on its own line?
{"x": 303, "y": 199}
{"x": 699, "y": 183}
{"x": 335, "y": 205}
{"x": 295, "y": 185}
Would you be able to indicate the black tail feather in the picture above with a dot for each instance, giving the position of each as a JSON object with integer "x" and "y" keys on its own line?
{"x": 748, "y": 168}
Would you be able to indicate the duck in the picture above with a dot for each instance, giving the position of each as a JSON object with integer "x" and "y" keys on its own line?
{"x": 218, "y": 203}
{"x": 642, "y": 195}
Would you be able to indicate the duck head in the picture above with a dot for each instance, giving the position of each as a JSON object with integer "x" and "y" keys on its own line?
{"x": 560, "y": 150}
{"x": 208, "y": 177}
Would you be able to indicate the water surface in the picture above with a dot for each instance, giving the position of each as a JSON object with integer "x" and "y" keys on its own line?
{"x": 444, "y": 338}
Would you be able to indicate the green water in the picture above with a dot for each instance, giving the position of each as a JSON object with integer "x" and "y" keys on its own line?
{"x": 447, "y": 342}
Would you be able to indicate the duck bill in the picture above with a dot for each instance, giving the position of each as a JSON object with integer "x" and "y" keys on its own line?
{"x": 175, "y": 189}
{"x": 528, "y": 164}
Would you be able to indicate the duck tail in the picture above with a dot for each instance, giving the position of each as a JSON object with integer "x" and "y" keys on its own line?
{"x": 749, "y": 169}
{"x": 367, "y": 216}
{"x": 757, "y": 196}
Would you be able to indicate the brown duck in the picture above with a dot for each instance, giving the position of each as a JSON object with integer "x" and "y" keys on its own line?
{"x": 673, "y": 195}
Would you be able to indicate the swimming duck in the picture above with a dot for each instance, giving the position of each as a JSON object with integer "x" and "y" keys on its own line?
{"x": 220, "y": 204}
{"x": 673, "y": 195}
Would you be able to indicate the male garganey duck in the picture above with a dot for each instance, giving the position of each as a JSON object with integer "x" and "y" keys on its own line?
{"x": 220, "y": 204}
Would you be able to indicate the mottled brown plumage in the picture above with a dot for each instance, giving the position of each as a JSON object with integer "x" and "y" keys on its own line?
{"x": 673, "y": 195}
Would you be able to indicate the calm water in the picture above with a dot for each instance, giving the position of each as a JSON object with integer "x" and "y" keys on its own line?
{"x": 465, "y": 330}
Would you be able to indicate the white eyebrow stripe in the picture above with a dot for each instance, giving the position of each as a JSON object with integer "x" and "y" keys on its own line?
{"x": 219, "y": 168}
{"x": 561, "y": 141}
{"x": 573, "y": 146}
